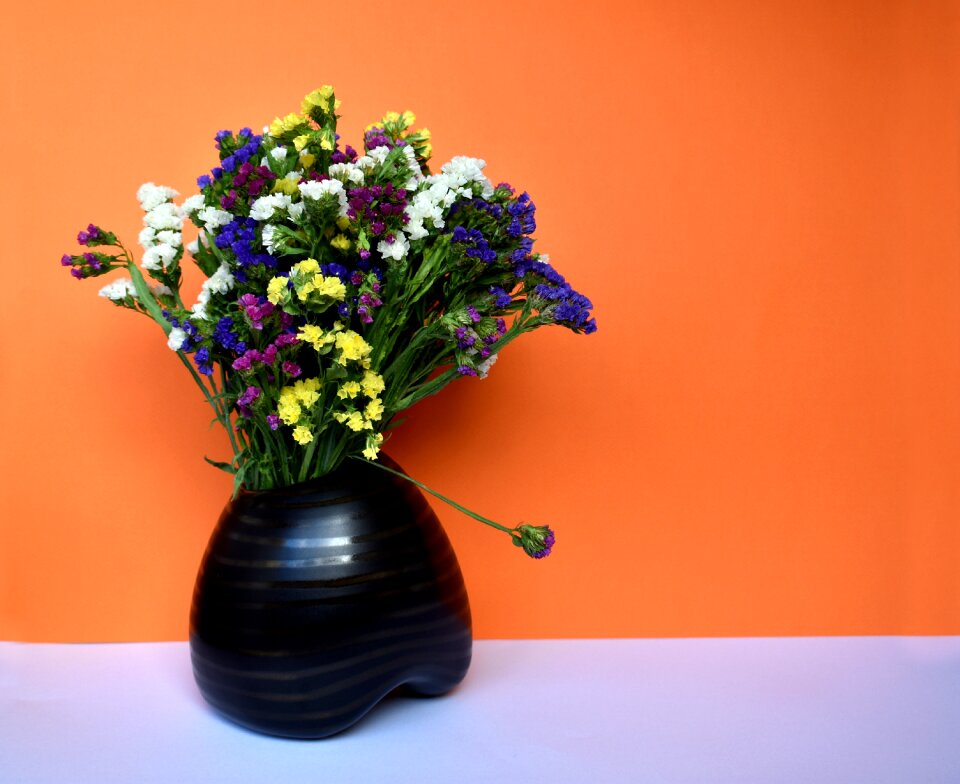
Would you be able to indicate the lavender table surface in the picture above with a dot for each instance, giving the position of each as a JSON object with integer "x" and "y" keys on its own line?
{"x": 811, "y": 710}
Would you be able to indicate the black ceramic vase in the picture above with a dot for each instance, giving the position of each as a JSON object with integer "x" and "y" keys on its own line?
{"x": 315, "y": 601}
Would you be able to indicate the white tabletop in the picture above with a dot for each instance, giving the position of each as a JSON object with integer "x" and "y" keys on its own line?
{"x": 811, "y": 710}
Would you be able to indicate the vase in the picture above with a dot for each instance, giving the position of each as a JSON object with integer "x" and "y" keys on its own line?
{"x": 315, "y": 601}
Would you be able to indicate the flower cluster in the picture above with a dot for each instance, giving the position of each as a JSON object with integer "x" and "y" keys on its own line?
{"x": 340, "y": 287}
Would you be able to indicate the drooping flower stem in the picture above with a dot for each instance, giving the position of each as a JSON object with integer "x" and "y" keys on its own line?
{"x": 536, "y": 540}
{"x": 451, "y": 502}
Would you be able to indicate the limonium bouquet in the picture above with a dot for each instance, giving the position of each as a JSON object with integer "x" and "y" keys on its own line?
{"x": 340, "y": 288}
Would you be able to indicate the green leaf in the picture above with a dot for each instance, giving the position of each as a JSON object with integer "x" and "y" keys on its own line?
{"x": 146, "y": 298}
{"x": 221, "y": 465}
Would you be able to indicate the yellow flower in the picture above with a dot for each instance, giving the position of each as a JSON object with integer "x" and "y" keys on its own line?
{"x": 343, "y": 222}
{"x": 307, "y": 267}
{"x": 341, "y": 242}
{"x": 304, "y": 290}
{"x": 286, "y": 186}
{"x": 315, "y": 336}
{"x": 372, "y": 383}
{"x": 391, "y": 117}
{"x": 289, "y": 410}
{"x": 426, "y": 151}
{"x": 277, "y": 290}
{"x": 301, "y": 141}
{"x": 307, "y": 391}
{"x": 286, "y": 124}
{"x": 348, "y": 389}
{"x": 356, "y": 422}
{"x": 409, "y": 118}
{"x": 302, "y": 434}
{"x": 373, "y": 446}
{"x": 424, "y": 133}
{"x": 374, "y": 409}
{"x": 307, "y": 159}
{"x": 330, "y": 286}
{"x": 352, "y": 347}
{"x": 319, "y": 98}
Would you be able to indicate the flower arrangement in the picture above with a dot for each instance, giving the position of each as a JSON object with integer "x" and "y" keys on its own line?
{"x": 340, "y": 288}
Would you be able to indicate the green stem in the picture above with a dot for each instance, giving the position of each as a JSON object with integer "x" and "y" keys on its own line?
{"x": 227, "y": 423}
{"x": 454, "y": 504}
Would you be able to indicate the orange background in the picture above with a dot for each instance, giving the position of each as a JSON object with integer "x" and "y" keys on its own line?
{"x": 762, "y": 199}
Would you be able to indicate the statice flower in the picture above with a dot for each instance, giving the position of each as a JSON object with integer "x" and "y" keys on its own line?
{"x": 536, "y": 540}
{"x": 338, "y": 289}
{"x": 119, "y": 289}
{"x": 176, "y": 339}
{"x": 152, "y": 196}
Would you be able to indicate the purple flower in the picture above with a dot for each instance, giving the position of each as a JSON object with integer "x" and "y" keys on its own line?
{"x": 245, "y": 362}
{"x": 474, "y": 315}
{"x": 466, "y": 370}
{"x": 536, "y": 540}
{"x": 292, "y": 369}
{"x": 246, "y": 399}
{"x": 273, "y": 420}
{"x": 501, "y": 298}
{"x": 286, "y": 339}
{"x": 66, "y": 260}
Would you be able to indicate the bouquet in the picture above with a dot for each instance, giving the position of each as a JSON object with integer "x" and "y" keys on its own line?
{"x": 340, "y": 288}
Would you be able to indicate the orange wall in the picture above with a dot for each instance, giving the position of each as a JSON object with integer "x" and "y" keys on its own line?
{"x": 762, "y": 199}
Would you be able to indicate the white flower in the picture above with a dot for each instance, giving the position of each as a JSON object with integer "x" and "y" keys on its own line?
{"x": 347, "y": 172}
{"x": 278, "y": 153}
{"x": 152, "y": 196}
{"x": 364, "y": 162}
{"x": 193, "y": 247}
{"x": 295, "y": 211}
{"x": 151, "y": 260}
{"x": 174, "y": 238}
{"x": 460, "y": 171}
{"x": 192, "y": 204}
{"x": 213, "y": 218}
{"x": 159, "y": 256}
{"x": 265, "y": 207}
{"x": 317, "y": 190}
{"x": 176, "y": 339}
{"x": 268, "y": 231}
{"x": 378, "y": 155}
{"x": 424, "y": 206}
{"x": 484, "y": 367}
{"x": 416, "y": 173}
{"x": 119, "y": 289}
{"x": 395, "y": 250}
{"x": 164, "y": 216}
{"x": 220, "y": 282}
{"x": 147, "y": 237}
{"x": 161, "y": 290}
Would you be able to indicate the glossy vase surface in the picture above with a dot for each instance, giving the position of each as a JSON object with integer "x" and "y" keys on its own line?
{"x": 314, "y": 602}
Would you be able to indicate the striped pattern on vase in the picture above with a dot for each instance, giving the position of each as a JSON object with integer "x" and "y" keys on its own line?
{"x": 314, "y": 602}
